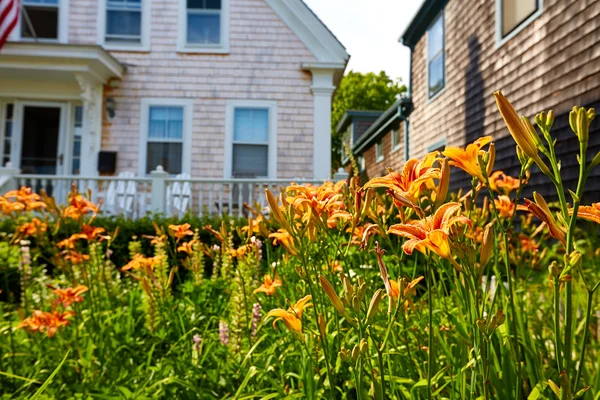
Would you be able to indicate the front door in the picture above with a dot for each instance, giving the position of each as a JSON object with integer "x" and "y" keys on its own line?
{"x": 40, "y": 140}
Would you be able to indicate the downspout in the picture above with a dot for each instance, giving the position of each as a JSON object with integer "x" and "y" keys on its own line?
{"x": 406, "y": 122}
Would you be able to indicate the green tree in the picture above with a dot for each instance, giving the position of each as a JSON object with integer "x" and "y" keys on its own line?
{"x": 359, "y": 91}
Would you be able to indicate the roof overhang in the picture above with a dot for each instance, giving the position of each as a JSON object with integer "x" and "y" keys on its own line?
{"x": 54, "y": 66}
{"x": 421, "y": 21}
{"x": 351, "y": 115}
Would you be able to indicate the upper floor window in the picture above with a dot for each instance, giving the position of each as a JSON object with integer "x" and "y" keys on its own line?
{"x": 396, "y": 139}
{"x": 436, "y": 57}
{"x": 379, "y": 151}
{"x": 40, "y": 19}
{"x": 251, "y": 133}
{"x": 124, "y": 24}
{"x": 205, "y": 26}
{"x": 514, "y": 15}
{"x": 6, "y": 143}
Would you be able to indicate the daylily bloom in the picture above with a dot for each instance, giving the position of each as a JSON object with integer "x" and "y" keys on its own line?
{"x": 8, "y": 207}
{"x": 27, "y": 197}
{"x": 504, "y": 206}
{"x": 33, "y": 227}
{"x": 141, "y": 262}
{"x": 74, "y": 256}
{"x": 79, "y": 206}
{"x": 291, "y": 317}
{"x": 269, "y": 285}
{"x": 591, "y": 213}
{"x": 48, "y": 322}
{"x": 406, "y": 188}
{"x": 92, "y": 232}
{"x": 503, "y": 183}
{"x": 540, "y": 209}
{"x": 468, "y": 159}
{"x": 69, "y": 296}
{"x": 69, "y": 243}
{"x": 312, "y": 203}
{"x": 432, "y": 232}
{"x": 285, "y": 239}
{"x": 181, "y": 231}
{"x": 187, "y": 247}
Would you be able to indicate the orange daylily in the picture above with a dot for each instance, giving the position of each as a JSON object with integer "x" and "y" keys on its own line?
{"x": 79, "y": 206}
{"x": 540, "y": 209}
{"x": 70, "y": 242}
{"x": 269, "y": 285}
{"x": 33, "y": 227}
{"x": 141, "y": 262}
{"x": 8, "y": 207}
{"x": 187, "y": 247}
{"x": 92, "y": 232}
{"x": 181, "y": 231}
{"x": 27, "y": 197}
{"x": 503, "y": 183}
{"x": 406, "y": 188}
{"x": 313, "y": 202}
{"x": 291, "y": 317}
{"x": 591, "y": 213}
{"x": 48, "y": 322}
{"x": 468, "y": 159}
{"x": 285, "y": 239}
{"x": 504, "y": 206}
{"x": 69, "y": 296}
{"x": 74, "y": 256}
{"x": 432, "y": 232}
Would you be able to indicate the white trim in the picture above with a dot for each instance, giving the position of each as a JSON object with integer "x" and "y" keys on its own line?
{"x": 229, "y": 125}
{"x": 310, "y": 30}
{"x": 395, "y": 145}
{"x": 443, "y": 89}
{"x": 188, "y": 105}
{"x": 3, "y": 106}
{"x": 63, "y": 26}
{"x": 436, "y": 145}
{"x": 379, "y": 149}
{"x": 143, "y": 46}
{"x": 500, "y": 41}
{"x": 221, "y": 48}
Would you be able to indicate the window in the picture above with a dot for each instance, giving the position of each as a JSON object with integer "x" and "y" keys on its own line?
{"x": 124, "y": 24}
{"x": 40, "y": 19}
{"x": 8, "y": 131}
{"x": 251, "y": 139}
{"x": 396, "y": 140}
{"x": 437, "y": 146}
{"x": 166, "y": 129}
{"x": 76, "y": 156}
{"x": 435, "y": 57}
{"x": 514, "y": 15}
{"x": 205, "y": 26}
{"x": 379, "y": 151}
{"x": 361, "y": 163}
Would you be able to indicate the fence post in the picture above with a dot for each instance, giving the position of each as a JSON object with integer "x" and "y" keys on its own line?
{"x": 340, "y": 175}
{"x": 7, "y": 178}
{"x": 159, "y": 190}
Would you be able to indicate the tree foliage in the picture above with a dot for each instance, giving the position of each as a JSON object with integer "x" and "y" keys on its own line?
{"x": 360, "y": 91}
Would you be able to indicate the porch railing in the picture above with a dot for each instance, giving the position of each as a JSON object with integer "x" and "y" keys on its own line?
{"x": 135, "y": 197}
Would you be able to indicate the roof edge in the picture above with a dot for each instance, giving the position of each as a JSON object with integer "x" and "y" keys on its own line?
{"x": 421, "y": 21}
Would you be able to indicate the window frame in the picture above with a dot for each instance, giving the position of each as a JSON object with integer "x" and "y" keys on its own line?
{"x": 184, "y": 47}
{"x": 229, "y": 127}
{"x": 145, "y": 25}
{"x": 396, "y": 144}
{"x": 63, "y": 26}
{"x": 186, "y": 142}
{"x": 440, "y": 144}
{"x": 431, "y": 97}
{"x": 500, "y": 40}
{"x": 379, "y": 149}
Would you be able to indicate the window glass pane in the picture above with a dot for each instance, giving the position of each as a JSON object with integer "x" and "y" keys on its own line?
{"x": 126, "y": 25}
{"x": 251, "y": 125}
{"x": 166, "y": 123}
{"x": 436, "y": 75}
{"x": 40, "y": 2}
{"x": 435, "y": 37}
{"x": 514, "y": 12}
{"x": 168, "y": 155}
{"x": 44, "y": 21}
{"x": 78, "y": 116}
{"x": 250, "y": 160}
{"x": 126, "y": 4}
{"x": 204, "y": 28}
{"x": 204, "y": 4}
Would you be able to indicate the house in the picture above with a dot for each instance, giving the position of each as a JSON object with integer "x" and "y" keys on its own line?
{"x": 543, "y": 54}
{"x": 215, "y": 89}
{"x": 352, "y": 126}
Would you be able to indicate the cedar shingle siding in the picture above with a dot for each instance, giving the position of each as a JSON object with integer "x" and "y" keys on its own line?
{"x": 553, "y": 63}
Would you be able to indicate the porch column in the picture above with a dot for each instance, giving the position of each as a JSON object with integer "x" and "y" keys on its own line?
{"x": 322, "y": 90}
{"x": 91, "y": 96}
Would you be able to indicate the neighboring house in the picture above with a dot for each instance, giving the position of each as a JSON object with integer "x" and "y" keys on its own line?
{"x": 543, "y": 54}
{"x": 211, "y": 88}
{"x": 352, "y": 126}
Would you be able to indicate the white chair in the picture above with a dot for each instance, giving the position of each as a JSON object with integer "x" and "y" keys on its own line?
{"x": 179, "y": 195}
{"x": 121, "y": 195}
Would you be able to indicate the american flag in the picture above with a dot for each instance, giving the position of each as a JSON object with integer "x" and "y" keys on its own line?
{"x": 9, "y": 15}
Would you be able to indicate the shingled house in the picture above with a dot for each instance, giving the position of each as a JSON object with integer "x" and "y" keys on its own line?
{"x": 543, "y": 54}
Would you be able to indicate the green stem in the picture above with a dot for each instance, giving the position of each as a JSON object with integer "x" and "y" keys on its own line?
{"x": 557, "y": 342}
{"x": 430, "y": 341}
{"x": 586, "y": 332}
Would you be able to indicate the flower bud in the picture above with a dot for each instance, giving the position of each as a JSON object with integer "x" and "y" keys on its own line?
{"x": 488, "y": 244}
{"x": 364, "y": 346}
{"x": 573, "y": 119}
{"x": 583, "y": 126}
{"x": 553, "y": 269}
{"x": 374, "y": 305}
{"x": 591, "y": 114}
{"x": 355, "y": 353}
{"x": 575, "y": 259}
{"x": 550, "y": 119}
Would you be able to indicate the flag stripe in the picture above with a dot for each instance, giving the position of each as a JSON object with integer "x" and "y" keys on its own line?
{"x": 9, "y": 16}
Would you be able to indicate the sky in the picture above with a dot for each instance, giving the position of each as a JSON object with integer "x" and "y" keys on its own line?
{"x": 369, "y": 29}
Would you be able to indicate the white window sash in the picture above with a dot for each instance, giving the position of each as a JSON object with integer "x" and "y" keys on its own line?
{"x": 139, "y": 42}
{"x": 63, "y": 23}
{"x": 183, "y": 46}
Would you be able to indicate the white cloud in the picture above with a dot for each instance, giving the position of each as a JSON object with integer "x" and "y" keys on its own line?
{"x": 370, "y": 30}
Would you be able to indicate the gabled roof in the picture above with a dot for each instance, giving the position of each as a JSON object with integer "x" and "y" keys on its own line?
{"x": 421, "y": 21}
{"x": 351, "y": 115}
{"x": 397, "y": 112}
{"x": 326, "y": 48}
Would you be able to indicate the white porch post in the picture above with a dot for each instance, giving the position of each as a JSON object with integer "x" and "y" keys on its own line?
{"x": 91, "y": 95}
{"x": 322, "y": 89}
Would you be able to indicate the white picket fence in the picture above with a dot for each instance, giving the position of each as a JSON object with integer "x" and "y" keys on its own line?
{"x": 135, "y": 197}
